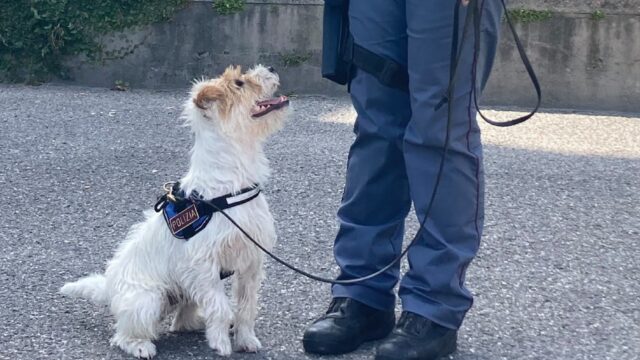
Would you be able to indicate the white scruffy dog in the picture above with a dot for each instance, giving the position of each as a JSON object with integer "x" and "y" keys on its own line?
{"x": 154, "y": 273}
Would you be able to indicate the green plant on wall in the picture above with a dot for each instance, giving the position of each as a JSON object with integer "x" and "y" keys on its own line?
{"x": 226, "y": 7}
{"x": 294, "y": 58}
{"x": 37, "y": 35}
{"x": 120, "y": 85}
{"x": 597, "y": 15}
{"x": 526, "y": 16}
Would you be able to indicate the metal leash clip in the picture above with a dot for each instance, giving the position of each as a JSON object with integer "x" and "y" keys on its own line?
{"x": 168, "y": 189}
{"x": 167, "y": 196}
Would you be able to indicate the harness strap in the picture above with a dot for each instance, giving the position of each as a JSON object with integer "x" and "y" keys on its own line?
{"x": 225, "y": 274}
{"x": 230, "y": 200}
{"x": 222, "y": 202}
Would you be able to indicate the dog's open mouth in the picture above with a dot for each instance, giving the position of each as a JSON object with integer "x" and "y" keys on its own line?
{"x": 262, "y": 108}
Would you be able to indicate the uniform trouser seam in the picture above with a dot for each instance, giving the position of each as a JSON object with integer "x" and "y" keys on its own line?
{"x": 476, "y": 157}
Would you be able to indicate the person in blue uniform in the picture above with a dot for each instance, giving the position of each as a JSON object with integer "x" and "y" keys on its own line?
{"x": 393, "y": 163}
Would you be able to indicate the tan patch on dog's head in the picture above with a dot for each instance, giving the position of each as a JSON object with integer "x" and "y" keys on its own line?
{"x": 232, "y": 88}
{"x": 208, "y": 94}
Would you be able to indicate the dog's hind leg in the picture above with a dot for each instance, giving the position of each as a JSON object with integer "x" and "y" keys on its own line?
{"x": 245, "y": 292}
{"x": 187, "y": 318}
{"x": 137, "y": 320}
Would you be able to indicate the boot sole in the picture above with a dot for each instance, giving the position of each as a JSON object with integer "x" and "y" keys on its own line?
{"x": 314, "y": 346}
{"x": 450, "y": 349}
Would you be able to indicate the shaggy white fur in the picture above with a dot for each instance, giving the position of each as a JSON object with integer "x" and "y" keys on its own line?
{"x": 151, "y": 266}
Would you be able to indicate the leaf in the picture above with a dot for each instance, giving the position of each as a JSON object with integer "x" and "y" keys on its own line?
{"x": 35, "y": 13}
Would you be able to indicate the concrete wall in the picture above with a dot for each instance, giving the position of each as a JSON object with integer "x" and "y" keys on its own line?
{"x": 580, "y": 6}
{"x": 199, "y": 42}
{"x": 582, "y": 63}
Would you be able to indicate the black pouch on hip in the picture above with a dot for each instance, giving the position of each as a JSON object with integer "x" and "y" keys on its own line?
{"x": 335, "y": 37}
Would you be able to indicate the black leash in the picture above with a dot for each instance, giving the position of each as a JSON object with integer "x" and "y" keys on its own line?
{"x": 523, "y": 56}
{"x": 472, "y": 14}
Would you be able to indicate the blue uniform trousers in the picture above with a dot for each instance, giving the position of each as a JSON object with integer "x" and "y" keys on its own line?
{"x": 395, "y": 157}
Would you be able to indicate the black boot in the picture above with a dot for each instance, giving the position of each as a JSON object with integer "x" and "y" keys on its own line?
{"x": 346, "y": 325}
{"x": 417, "y": 338}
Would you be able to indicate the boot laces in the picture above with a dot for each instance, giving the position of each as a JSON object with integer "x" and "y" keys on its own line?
{"x": 412, "y": 323}
{"x": 336, "y": 305}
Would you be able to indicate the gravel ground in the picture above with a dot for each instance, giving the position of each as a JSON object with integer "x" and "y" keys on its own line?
{"x": 558, "y": 275}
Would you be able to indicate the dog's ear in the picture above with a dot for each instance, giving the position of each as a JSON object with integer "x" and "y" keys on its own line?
{"x": 209, "y": 95}
{"x": 232, "y": 72}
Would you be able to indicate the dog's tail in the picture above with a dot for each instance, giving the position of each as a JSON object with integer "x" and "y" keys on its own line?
{"x": 92, "y": 287}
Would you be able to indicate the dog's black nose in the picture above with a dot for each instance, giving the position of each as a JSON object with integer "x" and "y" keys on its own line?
{"x": 271, "y": 69}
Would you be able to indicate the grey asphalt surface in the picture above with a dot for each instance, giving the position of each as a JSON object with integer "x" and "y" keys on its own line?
{"x": 557, "y": 277}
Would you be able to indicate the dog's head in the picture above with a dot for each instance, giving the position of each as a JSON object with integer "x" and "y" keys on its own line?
{"x": 239, "y": 104}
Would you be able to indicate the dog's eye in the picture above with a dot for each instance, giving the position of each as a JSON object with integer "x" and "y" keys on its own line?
{"x": 239, "y": 83}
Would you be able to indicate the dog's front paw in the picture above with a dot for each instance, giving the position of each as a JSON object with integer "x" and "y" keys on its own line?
{"x": 145, "y": 350}
{"x": 141, "y": 349}
{"x": 247, "y": 343}
{"x": 221, "y": 344}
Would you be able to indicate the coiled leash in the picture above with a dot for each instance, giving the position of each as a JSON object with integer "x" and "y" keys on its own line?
{"x": 474, "y": 14}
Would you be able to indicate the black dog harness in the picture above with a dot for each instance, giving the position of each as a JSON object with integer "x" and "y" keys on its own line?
{"x": 188, "y": 215}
